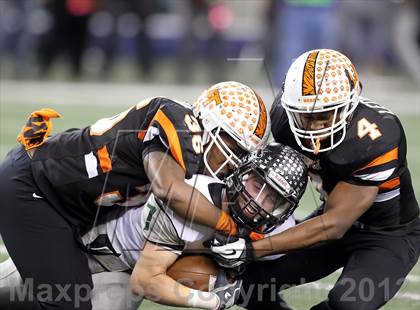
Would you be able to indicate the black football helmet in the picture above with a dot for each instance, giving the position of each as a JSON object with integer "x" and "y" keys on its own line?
{"x": 266, "y": 188}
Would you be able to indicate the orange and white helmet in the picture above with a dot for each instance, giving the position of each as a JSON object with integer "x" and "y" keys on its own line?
{"x": 320, "y": 83}
{"x": 237, "y": 110}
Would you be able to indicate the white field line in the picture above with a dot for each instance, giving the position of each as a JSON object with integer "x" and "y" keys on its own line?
{"x": 328, "y": 287}
{"x": 412, "y": 278}
{"x": 3, "y": 249}
{"x": 409, "y": 278}
{"x": 5, "y": 146}
{"x": 118, "y": 94}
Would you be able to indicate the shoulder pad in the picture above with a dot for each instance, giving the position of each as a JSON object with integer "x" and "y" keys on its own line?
{"x": 203, "y": 183}
{"x": 181, "y": 133}
{"x": 372, "y": 132}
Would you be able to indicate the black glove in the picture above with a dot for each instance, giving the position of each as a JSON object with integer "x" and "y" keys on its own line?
{"x": 231, "y": 251}
{"x": 227, "y": 289}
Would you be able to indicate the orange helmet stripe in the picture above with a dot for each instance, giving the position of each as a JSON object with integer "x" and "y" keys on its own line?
{"x": 308, "y": 79}
{"x": 262, "y": 121}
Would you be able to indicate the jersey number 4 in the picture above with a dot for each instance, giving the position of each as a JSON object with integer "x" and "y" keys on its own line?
{"x": 364, "y": 127}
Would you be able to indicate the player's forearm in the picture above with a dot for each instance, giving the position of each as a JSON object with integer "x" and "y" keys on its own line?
{"x": 346, "y": 203}
{"x": 168, "y": 185}
{"x": 166, "y": 291}
{"x": 308, "y": 233}
{"x": 193, "y": 206}
{"x": 189, "y": 203}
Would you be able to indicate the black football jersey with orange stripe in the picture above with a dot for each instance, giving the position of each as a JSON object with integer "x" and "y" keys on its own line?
{"x": 102, "y": 165}
{"x": 373, "y": 152}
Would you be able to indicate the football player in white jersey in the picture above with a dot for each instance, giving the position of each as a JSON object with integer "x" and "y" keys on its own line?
{"x": 262, "y": 193}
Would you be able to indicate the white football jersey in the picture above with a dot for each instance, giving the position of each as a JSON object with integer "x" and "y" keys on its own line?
{"x": 128, "y": 230}
{"x": 163, "y": 227}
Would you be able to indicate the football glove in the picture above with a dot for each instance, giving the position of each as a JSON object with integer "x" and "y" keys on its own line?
{"x": 231, "y": 251}
{"x": 226, "y": 289}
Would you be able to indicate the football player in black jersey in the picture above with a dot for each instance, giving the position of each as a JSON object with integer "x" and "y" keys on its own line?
{"x": 54, "y": 188}
{"x": 261, "y": 195}
{"x": 356, "y": 151}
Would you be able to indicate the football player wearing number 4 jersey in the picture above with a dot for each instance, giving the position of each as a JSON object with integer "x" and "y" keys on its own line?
{"x": 54, "y": 188}
{"x": 356, "y": 150}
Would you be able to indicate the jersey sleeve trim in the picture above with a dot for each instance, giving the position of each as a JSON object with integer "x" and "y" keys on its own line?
{"x": 381, "y": 197}
{"x": 377, "y": 176}
{"x": 391, "y": 184}
{"x": 383, "y": 159}
{"x": 172, "y": 136}
{"x": 142, "y": 134}
{"x": 153, "y": 146}
{"x": 104, "y": 159}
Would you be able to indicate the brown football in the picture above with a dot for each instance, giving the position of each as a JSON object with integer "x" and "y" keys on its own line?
{"x": 194, "y": 271}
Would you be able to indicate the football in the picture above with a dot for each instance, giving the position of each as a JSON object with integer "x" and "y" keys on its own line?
{"x": 194, "y": 271}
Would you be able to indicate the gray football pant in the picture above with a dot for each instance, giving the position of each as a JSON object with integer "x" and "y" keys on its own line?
{"x": 111, "y": 290}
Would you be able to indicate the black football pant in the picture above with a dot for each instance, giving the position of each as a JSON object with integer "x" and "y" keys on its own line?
{"x": 374, "y": 268}
{"x": 40, "y": 242}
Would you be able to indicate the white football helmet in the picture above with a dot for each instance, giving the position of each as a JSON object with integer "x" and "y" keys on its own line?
{"x": 320, "y": 85}
{"x": 237, "y": 110}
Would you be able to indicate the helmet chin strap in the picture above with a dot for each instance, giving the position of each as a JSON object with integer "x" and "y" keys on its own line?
{"x": 317, "y": 146}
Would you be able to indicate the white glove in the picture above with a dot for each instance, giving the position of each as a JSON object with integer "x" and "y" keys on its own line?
{"x": 231, "y": 251}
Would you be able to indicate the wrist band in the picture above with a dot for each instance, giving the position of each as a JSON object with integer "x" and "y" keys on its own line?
{"x": 226, "y": 224}
{"x": 203, "y": 300}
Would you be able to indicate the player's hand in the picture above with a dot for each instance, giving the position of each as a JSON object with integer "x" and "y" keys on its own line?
{"x": 227, "y": 289}
{"x": 231, "y": 251}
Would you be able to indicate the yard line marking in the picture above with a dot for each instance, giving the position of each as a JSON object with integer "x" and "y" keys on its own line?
{"x": 245, "y": 59}
{"x": 328, "y": 287}
{"x": 409, "y": 278}
{"x": 126, "y": 94}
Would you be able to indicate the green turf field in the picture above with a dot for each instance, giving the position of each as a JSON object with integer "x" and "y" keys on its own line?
{"x": 13, "y": 116}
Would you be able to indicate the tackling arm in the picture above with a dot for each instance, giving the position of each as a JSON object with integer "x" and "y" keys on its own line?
{"x": 149, "y": 278}
{"x": 345, "y": 204}
{"x": 167, "y": 182}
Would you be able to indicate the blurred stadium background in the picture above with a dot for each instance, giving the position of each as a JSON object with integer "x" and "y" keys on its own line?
{"x": 90, "y": 59}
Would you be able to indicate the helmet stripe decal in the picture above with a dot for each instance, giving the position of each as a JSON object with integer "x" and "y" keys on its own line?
{"x": 352, "y": 77}
{"x": 308, "y": 80}
{"x": 262, "y": 121}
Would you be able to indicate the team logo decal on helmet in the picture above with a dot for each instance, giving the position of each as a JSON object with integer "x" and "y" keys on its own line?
{"x": 320, "y": 84}
{"x": 237, "y": 110}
